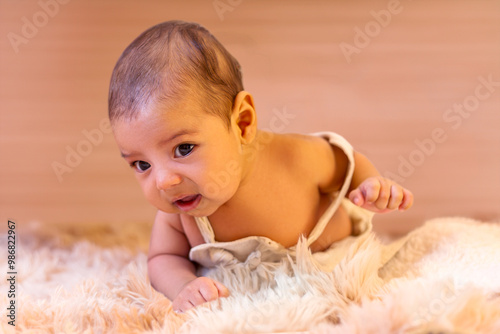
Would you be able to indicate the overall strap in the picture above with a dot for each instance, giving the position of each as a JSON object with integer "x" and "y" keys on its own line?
{"x": 343, "y": 144}
{"x": 206, "y": 229}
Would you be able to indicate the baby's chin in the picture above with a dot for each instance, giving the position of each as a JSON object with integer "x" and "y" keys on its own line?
{"x": 202, "y": 210}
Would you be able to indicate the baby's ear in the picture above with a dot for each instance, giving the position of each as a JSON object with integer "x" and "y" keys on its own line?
{"x": 244, "y": 117}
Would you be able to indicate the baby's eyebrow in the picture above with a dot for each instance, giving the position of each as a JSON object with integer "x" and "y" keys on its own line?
{"x": 178, "y": 134}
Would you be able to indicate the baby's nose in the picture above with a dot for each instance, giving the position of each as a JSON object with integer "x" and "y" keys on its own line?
{"x": 166, "y": 179}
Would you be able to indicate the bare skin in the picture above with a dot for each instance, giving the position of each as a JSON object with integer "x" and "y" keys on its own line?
{"x": 191, "y": 165}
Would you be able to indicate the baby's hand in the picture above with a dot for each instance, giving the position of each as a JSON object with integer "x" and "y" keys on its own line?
{"x": 380, "y": 195}
{"x": 198, "y": 291}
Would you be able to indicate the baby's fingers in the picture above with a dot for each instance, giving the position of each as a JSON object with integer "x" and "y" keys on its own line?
{"x": 372, "y": 189}
{"x": 407, "y": 200}
{"x": 189, "y": 300}
{"x": 378, "y": 192}
{"x": 370, "y": 195}
{"x": 222, "y": 290}
{"x": 181, "y": 305}
{"x": 196, "y": 292}
{"x": 396, "y": 198}
{"x": 209, "y": 291}
{"x": 357, "y": 197}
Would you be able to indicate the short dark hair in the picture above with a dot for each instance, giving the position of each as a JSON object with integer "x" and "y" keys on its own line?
{"x": 171, "y": 61}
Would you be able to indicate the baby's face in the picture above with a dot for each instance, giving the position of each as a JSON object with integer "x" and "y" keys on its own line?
{"x": 186, "y": 160}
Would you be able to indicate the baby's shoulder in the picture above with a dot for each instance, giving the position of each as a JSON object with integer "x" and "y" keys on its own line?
{"x": 171, "y": 220}
{"x": 314, "y": 158}
{"x": 306, "y": 152}
{"x": 174, "y": 227}
{"x": 305, "y": 147}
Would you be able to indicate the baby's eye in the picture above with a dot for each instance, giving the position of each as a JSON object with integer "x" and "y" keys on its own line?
{"x": 183, "y": 150}
{"x": 141, "y": 166}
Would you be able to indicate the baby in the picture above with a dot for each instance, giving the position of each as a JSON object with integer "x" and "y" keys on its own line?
{"x": 188, "y": 129}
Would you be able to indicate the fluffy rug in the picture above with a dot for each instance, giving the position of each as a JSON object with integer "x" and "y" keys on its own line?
{"x": 445, "y": 278}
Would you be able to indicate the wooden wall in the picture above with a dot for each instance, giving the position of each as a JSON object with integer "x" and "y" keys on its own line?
{"x": 405, "y": 81}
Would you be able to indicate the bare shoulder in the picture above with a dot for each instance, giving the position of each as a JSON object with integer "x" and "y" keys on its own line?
{"x": 317, "y": 159}
{"x": 301, "y": 146}
{"x": 164, "y": 219}
{"x": 167, "y": 236}
{"x": 306, "y": 150}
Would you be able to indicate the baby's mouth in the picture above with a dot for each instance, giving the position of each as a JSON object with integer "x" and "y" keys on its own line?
{"x": 188, "y": 203}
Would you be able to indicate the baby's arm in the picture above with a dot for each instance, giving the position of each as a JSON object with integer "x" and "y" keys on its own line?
{"x": 371, "y": 191}
{"x": 170, "y": 270}
{"x": 368, "y": 189}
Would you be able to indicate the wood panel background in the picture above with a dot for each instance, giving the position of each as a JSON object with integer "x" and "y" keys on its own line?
{"x": 407, "y": 89}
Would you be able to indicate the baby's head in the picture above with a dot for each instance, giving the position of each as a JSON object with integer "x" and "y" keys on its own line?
{"x": 181, "y": 118}
{"x": 170, "y": 62}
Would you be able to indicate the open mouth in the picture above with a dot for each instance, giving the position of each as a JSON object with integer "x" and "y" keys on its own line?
{"x": 188, "y": 203}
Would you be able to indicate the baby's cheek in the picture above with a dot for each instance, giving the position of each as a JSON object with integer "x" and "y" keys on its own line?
{"x": 219, "y": 185}
{"x": 152, "y": 195}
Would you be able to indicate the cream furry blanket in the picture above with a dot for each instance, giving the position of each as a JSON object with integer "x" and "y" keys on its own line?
{"x": 92, "y": 279}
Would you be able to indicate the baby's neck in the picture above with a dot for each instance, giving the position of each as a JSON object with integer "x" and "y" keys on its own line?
{"x": 254, "y": 164}
{"x": 255, "y": 153}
